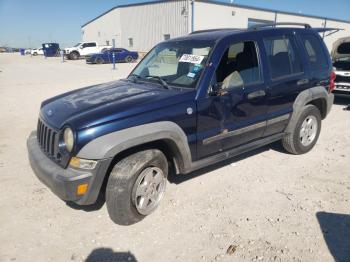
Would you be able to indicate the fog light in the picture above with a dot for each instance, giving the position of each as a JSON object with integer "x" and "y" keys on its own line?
{"x": 82, "y": 163}
{"x": 81, "y": 189}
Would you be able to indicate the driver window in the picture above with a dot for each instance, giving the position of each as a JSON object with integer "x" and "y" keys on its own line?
{"x": 238, "y": 66}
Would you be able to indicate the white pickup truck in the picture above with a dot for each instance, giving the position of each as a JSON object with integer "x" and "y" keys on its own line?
{"x": 83, "y": 49}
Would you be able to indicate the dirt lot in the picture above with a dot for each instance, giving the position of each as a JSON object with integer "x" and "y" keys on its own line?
{"x": 270, "y": 205}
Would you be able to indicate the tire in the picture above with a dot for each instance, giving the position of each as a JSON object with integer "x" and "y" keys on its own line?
{"x": 128, "y": 178}
{"x": 129, "y": 59}
{"x": 35, "y": 54}
{"x": 99, "y": 61}
{"x": 74, "y": 55}
{"x": 305, "y": 132}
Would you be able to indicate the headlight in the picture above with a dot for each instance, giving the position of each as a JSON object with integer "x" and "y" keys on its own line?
{"x": 68, "y": 138}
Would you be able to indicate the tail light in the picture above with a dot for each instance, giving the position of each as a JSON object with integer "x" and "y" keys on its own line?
{"x": 332, "y": 82}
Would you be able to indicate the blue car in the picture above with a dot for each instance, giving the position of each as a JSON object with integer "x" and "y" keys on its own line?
{"x": 191, "y": 102}
{"x": 106, "y": 56}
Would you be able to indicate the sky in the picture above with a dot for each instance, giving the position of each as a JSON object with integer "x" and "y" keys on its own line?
{"x": 25, "y": 23}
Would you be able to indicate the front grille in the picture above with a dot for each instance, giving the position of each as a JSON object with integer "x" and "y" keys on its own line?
{"x": 48, "y": 139}
{"x": 340, "y": 78}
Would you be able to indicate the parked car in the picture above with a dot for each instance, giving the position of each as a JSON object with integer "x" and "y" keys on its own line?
{"x": 341, "y": 64}
{"x": 121, "y": 55}
{"x": 191, "y": 102}
{"x": 37, "y": 51}
{"x": 51, "y": 49}
{"x": 83, "y": 49}
{"x": 27, "y": 51}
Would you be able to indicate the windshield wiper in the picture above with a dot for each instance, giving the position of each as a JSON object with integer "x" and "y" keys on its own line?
{"x": 161, "y": 80}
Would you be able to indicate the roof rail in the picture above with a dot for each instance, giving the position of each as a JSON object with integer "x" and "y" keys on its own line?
{"x": 277, "y": 24}
{"x": 214, "y": 30}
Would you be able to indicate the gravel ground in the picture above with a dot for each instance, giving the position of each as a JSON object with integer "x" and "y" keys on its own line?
{"x": 266, "y": 205}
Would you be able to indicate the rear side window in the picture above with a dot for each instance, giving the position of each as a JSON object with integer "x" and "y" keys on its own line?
{"x": 315, "y": 52}
{"x": 282, "y": 57}
{"x": 89, "y": 45}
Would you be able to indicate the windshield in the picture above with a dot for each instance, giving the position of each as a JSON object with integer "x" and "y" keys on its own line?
{"x": 178, "y": 63}
{"x": 78, "y": 44}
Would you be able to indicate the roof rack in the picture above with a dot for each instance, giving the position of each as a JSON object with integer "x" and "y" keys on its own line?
{"x": 277, "y": 24}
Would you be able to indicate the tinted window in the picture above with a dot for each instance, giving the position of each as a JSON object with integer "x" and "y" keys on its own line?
{"x": 118, "y": 50}
{"x": 239, "y": 66}
{"x": 315, "y": 51}
{"x": 282, "y": 57}
{"x": 89, "y": 45}
{"x": 344, "y": 48}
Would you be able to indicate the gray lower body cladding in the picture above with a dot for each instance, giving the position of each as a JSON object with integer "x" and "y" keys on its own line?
{"x": 63, "y": 182}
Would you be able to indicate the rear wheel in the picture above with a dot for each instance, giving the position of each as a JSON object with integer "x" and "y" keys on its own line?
{"x": 305, "y": 132}
{"x": 128, "y": 59}
{"x": 99, "y": 61}
{"x": 35, "y": 53}
{"x": 136, "y": 186}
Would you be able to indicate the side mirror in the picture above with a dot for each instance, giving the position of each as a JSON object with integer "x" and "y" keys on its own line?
{"x": 81, "y": 47}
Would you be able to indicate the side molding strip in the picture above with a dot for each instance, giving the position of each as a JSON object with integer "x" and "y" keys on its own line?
{"x": 245, "y": 129}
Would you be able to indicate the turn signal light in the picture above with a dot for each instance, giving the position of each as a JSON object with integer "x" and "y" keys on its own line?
{"x": 82, "y": 163}
{"x": 82, "y": 188}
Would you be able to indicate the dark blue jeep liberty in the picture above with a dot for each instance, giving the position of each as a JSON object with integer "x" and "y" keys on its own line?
{"x": 191, "y": 102}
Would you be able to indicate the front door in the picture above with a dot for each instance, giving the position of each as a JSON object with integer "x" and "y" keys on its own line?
{"x": 234, "y": 111}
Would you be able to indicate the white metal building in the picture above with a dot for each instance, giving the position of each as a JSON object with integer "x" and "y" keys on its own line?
{"x": 140, "y": 26}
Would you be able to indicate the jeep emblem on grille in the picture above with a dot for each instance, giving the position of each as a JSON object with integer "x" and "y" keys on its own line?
{"x": 49, "y": 112}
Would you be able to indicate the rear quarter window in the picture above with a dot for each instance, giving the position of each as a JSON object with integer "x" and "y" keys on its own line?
{"x": 315, "y": 52}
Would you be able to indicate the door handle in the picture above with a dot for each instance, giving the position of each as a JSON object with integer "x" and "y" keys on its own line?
{"x": 256, "y": 94}
{"x": 303, "y": 82}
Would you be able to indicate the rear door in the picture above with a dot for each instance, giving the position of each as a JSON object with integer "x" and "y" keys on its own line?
{"x": 287, "y": 77}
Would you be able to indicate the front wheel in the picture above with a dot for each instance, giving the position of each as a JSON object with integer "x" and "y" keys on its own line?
{"x": 74, "y": 55}
{"x": 136, "y": 186}
{"x": 305, "y": 132}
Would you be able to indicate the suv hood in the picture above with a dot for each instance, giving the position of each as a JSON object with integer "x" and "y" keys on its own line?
{"x": 93, "y": 105}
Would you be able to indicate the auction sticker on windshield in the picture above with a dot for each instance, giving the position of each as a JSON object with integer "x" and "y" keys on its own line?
{"x": 195, "y": 59}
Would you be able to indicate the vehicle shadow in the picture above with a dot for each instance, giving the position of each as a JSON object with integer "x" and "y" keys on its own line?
{"x": 336, "y": 233}
{"x": 177, "y": 179}
{"x": 108, "y": 255}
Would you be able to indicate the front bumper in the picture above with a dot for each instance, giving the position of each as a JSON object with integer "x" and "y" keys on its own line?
{"x": 64, "y": 182}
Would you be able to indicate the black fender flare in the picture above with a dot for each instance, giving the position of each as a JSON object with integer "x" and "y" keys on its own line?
{"x": 305, "y": 97}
